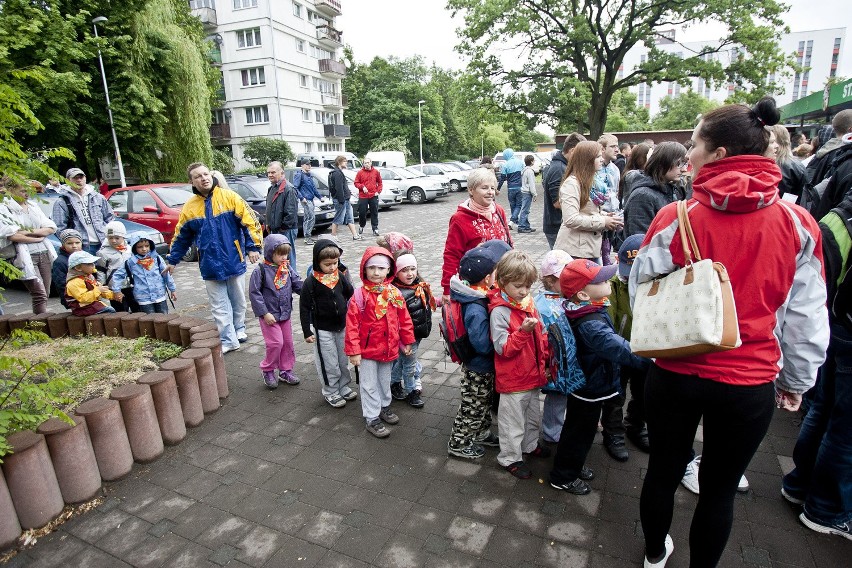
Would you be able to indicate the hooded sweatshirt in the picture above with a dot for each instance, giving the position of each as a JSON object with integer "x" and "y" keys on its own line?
{"x": 779, "y": 288}
{"x": 475, "y": 313}
{"x": 321, "y": 307}
{"x": 264, "y": 296}
{"x": 510, "y": 172}
{"x": 151, "y": 280}
{"x": 369, "y": 334}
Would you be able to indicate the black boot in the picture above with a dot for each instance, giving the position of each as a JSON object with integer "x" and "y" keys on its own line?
{"x": 616, "y": 448}
{"x": 639, "y": 437}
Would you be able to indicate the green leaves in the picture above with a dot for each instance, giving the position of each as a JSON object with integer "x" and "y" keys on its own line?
{"x": 260, "y": 151}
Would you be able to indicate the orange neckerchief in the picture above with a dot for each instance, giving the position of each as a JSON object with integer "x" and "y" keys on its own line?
{"x": 327, "y": 280}
{"x": 281, "y": 273}
{"x": 146, "y": 262}
{"x": 120, "y": 248}
{"x": 423, "y": 291}
{"x": 386, "y": 295}
{"x": 525, "y": 305}
{"x": 480, "y": 288}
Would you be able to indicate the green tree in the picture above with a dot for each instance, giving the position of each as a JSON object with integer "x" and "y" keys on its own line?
{"x": 625, "y": 115}
{"x": 573, "y": 51}
{"x": 260, "y": 151}
{"x": 681, "y": 112}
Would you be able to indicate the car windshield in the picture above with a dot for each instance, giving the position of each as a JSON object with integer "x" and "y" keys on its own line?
{"x": 245, "y": 190}
{"x": 406, "y": 174}
{"x": 173, "y": 196}
{"x": 451, "y": 167}
{"x": 463, "y": 166}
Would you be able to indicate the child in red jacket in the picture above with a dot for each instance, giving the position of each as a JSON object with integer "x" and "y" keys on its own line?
{"x": 378, "y": 326}
{"x": 520, "y": 352}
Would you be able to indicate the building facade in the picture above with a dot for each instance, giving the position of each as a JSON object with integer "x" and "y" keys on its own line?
{"x": 819, "y": 52}
{"x": 280, "y": 73}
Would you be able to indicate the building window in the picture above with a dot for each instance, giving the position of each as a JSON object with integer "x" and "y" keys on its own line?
{"x": 300, "y": 45}
{"x": 303, "y": 81}
{"x": 257, "y": 115}
{"x": 306, "y": 115}
{"x": 317, "y": 116}
{"x": 297, "y": 10}
{"x": 195, "y": 4}
{"x": 221, "y": 116}
{"x": 248, "y": 38}
{"x": 240, "y": 4}
{"x": 253, "y": 77}
{"x": 320, "y": 53}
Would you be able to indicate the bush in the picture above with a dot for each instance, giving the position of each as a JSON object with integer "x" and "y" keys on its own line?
{"x": 260, "y": 151}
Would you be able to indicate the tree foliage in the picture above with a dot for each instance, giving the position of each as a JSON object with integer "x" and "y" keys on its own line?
{"x": 559, "y": 60}
{"x": 625, "y": 115}
{"x": 681, "y": 112}
{"x": 260, "y": 151}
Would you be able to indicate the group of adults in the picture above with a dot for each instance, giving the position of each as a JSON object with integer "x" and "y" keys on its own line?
{"x": 734, "y": 205}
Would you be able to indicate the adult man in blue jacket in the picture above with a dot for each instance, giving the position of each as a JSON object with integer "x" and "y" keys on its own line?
{"x": 306, "y": 189}
{"x": 511, "y": 174}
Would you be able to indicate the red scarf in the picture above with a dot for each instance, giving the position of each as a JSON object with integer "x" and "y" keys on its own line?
{"x": 281, "y": 273}
{"x": 327, "y": 280}
{"x": 386, "y": 295}
{"x": 146, "y": 262}
{"x": 120, "y": 248}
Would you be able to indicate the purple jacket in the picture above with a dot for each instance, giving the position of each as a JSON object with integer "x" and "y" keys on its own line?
{"x": 265, "y": 299}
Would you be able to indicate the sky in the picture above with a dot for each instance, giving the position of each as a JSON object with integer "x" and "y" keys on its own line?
{"x": 405, "y": 28}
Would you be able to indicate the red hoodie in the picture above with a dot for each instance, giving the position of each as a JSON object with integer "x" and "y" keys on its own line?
{"x": 378, "y": 339}
{"x": 368, "y": 182}
{"x": 773, "y": 253}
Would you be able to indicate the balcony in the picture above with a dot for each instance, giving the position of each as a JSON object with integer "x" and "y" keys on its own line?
{"x": 328, "y": 8}
{"x": 336, "y": 130}
{"x": 215, "y": 56}
{"x": 220, "y": 131}
{"x": 332, "y": 68}
{"x": 207, "y": 17}
{"x": 331, "y": 100}
{"x": 329, "y": 37}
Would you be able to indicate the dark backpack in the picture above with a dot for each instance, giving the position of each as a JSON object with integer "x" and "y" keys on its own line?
{"x": 565, "y": 373}
{"x": 836, "y": 228}
{"x": 456, "y": 342}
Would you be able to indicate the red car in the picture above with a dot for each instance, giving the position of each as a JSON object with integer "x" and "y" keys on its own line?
{"x": 156, "y": 205}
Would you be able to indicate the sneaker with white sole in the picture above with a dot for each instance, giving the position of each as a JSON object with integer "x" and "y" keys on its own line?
{"x": 289, "y": 378}
{"x": 470, "y": 452}
{"x": 791, "y": 498}
{"x": 335, "y": 401}
{"x": 387, "y": 415}
{"x": 270, "y": 380}
{"x": 487, "y": 438}
{"x": 229, "y": 348}
{"x": 690, "y": 478}
{"x": 242, "y": 337}
{"x": 839, "y": 529}
{"x": 377, "y": 429}
{"x": 350, "y": 396}
{"x": 662, "y": 561}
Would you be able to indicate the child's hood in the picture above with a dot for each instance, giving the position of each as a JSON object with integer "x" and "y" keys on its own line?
{"x": 371, "y": 252}
{"x": 272, "y": 242}
{"x": 135, "y": 237}
{"x": 464, "y": 294}
{"x": 321, "y": 244}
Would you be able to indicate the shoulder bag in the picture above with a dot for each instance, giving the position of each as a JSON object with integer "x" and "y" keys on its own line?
{"x": 688, "y": 312}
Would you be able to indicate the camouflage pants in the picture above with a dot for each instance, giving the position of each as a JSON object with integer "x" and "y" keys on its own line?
{"x": 474, "y": 415}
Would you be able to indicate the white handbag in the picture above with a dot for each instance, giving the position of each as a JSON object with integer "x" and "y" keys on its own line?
{"x": 688, "y": 312}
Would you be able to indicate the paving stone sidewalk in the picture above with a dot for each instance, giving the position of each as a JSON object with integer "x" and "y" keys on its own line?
{"x": 279, "y": 478}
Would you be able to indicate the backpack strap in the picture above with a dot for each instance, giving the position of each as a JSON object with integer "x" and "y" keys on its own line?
{"x": 358, "y": 298}
{"x": 71, "y": 213}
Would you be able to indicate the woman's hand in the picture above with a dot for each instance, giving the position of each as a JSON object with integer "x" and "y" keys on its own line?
{"x": 612, "y": 223}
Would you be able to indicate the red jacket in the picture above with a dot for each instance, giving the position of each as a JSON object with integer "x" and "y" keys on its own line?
{"x": 519, "y": 356}
{"x": 371, "y": 337}
{"x": 368, "y": 182}
{"x": 467, "y": 230}
{"x": 773, "y": 253}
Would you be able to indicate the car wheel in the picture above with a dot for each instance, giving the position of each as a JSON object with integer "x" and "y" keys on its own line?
{"x": 455, "y": 185}
{"x": 191, "y": 254}
{"x": 416, "y": 195}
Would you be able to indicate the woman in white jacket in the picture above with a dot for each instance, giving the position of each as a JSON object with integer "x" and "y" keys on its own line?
{"x": 580, "y": 199}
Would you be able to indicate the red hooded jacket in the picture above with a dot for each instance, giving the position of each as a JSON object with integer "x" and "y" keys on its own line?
{"x": 368, "y": 182}
{"x": 519, "y": 356}
{"x": 371, "y": 337}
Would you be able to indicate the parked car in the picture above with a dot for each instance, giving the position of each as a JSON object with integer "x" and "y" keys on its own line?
{"x": 255, "y": 197}
{"x": 457, "y": 177}
{"x": 326, "y": 159}
{"x": 415, "y": 187}
{"x": 154, "y": 205}
{"x": 389, "y": 196}
{"x": 475, "y": 163}
{"x": 460, "y": 165}
{"x": 323, "y": 213}
{"x": 320, "y": 176}
{"x": 499, "y": 160}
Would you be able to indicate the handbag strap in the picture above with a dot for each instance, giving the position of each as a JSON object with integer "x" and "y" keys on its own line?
{"x": 687, "y": 237}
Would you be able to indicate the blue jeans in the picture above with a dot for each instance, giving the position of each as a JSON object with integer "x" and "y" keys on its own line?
{"x": 823, "y": 452}
{"x": 343, "y": 214}
{"x": 228, "y": 306}
{"x": 310, "y": 218}
{"x": 514, "y": 203}
{"x": 292, "y": 235}
{"x": 524, "y": 212}
{"x": 553, "y": 416}
{"x": 156, "y": 308}
{"x": 406, "y": 369}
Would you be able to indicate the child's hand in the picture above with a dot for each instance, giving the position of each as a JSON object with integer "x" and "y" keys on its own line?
{"x": 117, "y": 296}
{"x": 311, "y": 339}
{"x": 105, "y": 289}
{"x": 406, "y": 350}
{"x": 173, "y": 296}
{"x": 355, "y": 360}
{"x": 529, "y": 324}
{"x": 269, "y": 319}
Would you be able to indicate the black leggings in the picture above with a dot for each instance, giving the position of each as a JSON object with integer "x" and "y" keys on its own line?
{"x": 736, "y": 419}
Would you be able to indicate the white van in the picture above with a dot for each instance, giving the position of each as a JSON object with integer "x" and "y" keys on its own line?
{"x": 326, "y": 159}
{"x": 389, "y": 159}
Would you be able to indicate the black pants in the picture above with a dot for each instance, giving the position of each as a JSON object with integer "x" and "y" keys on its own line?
{"x": 575, "y": 441}
{"x": 736, "y": 419}
{"x": 373, "y": 204}
{"x": 613, "y": 420}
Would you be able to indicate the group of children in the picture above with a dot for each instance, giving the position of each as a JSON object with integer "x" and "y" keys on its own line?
{"x": 132, "y": 275}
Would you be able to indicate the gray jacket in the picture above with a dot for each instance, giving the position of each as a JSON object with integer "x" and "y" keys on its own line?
{"x": 99, "y": 211}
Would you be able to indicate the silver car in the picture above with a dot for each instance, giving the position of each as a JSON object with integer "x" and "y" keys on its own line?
{"x": 389, "y": 196}
{"x": 415, "y": 187}
{"x": 457, "y": 177}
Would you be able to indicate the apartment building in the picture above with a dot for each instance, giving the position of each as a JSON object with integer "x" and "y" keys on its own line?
{"x": 819, "y": 52}
{"x": 280, "y": 73}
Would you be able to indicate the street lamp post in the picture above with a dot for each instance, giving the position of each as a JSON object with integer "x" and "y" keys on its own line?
{"x": 420, "y": 127}
{"x": 95, "y": 22}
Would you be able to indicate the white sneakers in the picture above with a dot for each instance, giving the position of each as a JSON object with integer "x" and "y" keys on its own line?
{"x": 662, "y": 562}
{"x": 690, "y": 477}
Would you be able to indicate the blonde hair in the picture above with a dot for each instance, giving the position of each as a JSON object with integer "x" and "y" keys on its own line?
{"x": 782, "y": 138}
{"x": 480, "y": 176}
{"x": 516, "y": 266}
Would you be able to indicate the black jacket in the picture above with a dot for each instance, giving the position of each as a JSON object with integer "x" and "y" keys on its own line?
{"x": 645, "y": 201}
{"x": 551, "y": 183}
{"x": 282, "y": 211}
{"x": 322, "y": 307}
{"x": 792, "y": 177}
{"x": 421, "y": 314}
{"x": 338, "y": 186}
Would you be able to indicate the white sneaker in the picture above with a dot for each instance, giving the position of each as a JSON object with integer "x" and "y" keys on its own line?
{"x": 228, "y": 349}
{"x": 662, "y": 562}
{"x": 690, "y": 478}
{"x": 242, "y": 337}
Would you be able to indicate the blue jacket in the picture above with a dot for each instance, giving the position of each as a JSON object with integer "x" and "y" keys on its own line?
{"x": 305, "y": 186}
{"x": 149, "y": 285}
{"x": 511, "y": 171}
{"x": 601, "y": 352}
{"x": 223, "y": 227}
{"x": 264, "y": 297}
{"x": 476, "y": 323}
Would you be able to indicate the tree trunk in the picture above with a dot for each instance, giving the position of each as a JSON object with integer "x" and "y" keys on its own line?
{"x": 597, "y": 115}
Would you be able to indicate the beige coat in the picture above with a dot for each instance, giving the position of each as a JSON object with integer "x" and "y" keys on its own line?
{"x": 580, "y": 233}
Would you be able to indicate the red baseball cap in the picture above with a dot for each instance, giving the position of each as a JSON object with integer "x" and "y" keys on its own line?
{"x": 577, "y": 274}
